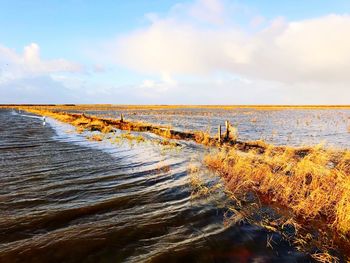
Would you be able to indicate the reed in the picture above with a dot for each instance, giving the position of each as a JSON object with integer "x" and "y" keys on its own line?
{"x": 196, "y": 182}
{"x": 312, "y": 181}
{"x": 314, "y": 185}
{"x": 309, "y": 188}
{"x": 95, "y": 137}
{"x": 100, "y": 107}
{"x": 105, "y": 125}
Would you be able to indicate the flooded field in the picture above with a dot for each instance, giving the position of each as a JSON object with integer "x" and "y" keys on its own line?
{"x": 68, "y": 198}
{"x": 295, "y": 127}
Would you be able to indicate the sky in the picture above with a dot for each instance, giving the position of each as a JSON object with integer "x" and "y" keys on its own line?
{"x": 175, "y": 52}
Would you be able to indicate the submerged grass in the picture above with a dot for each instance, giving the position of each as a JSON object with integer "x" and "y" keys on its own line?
{"x": 312, "y": 181}
{"x": 83, "y": 122}
{"x": 95, "y": 137}
{"x": 105, "y": 125}
{"x": 313, "y": 184}
{"x": 197, "y": 183}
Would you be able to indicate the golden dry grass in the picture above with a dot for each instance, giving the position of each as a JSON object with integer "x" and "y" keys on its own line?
{"x": 324, "y": 258}
{"x": 66, "y": 107}
{"x": 132, "y": 137}
{"x": 313, "y": 182}
{"x": 196, "y": 182}
{"x": 83, "y": 122}
{"x": 316, "y": 185}
{"x": 310, "y": 189}
{"x": 105, "y": 125}
{"x": 95, "y": 137}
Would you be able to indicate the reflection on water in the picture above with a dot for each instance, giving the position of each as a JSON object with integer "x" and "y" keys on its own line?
{"x": 280, "y": 127}
{"x": 66, "y": 199}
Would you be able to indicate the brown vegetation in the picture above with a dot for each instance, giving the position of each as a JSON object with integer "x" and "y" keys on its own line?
{"x": 68, "y": 107}
{"x": 312, "y": 181}
{"x": 314, "y": 184}
{"x": 105, "y": 125}
{"x": 95, "y": 137}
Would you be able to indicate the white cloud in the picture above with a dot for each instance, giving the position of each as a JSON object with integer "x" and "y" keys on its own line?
{"x": 156, "y": 89}
{"x": 27, "y": 78}
{"x": 313, "y": 50}
{"x": 177, "y": 48}
{"x": 211, "y": 11}
{"x": 28, "y": 64}
{"x": 196, "y": 53}
{"x": 257, "y": 21}
{"x": 319, "y": 48}
{"x": 98, "y": 68}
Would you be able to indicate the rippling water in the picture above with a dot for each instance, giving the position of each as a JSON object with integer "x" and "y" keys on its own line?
{"x": 66, "y": 199}
{"x": 281, "y": 127}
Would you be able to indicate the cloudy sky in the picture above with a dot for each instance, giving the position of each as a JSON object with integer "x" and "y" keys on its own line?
{"x": 175, "y": 52}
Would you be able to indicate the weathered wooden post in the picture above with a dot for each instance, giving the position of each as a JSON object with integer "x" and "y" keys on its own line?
{"x": 219, "y": 134}
{"x": 121, "y": 117}
{"x": 227, "y": 135}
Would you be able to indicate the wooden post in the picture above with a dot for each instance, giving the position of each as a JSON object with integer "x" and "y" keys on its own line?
{"x": 121, "y": 117}
{"x": 227, "y": 135}
{"x": 219, "y": 134}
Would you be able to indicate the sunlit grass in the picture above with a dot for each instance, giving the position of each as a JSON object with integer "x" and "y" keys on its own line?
{"x": 95, "y": 137}
{"x": 308, "y": 189}
{"x": 103, "y": 107}
{"x": 196, "y": 181}
{"x": 93, "y": 123}
{"x": 314, "y": 184}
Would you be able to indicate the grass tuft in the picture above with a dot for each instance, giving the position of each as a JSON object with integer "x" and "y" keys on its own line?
{"x": 314, "y": 186}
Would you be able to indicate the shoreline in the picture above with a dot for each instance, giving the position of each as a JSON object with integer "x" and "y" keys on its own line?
{"x": 258, "y": 149}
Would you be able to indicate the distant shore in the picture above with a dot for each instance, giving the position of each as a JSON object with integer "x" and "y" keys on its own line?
{"x": 176, "y": 106}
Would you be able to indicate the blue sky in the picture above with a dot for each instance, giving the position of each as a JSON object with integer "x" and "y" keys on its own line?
{"x": 176, "y": 52}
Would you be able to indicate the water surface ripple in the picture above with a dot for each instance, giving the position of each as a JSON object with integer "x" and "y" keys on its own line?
{"x": 66, "y": 199}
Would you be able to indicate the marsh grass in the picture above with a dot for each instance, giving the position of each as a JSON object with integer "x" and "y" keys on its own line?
{"x": 131, "y": 137}
{"x": 95, "y": 137}
{"x": 106, "y": 107}
{"x": 313, "y": 184}
{"x": 163, "y": 168}
{"x": 83, "y": 122}
{"x": 312, "y": 181}
{"x": 196, "y": 181}
{"x": 282, "y": 225}
{"x": 324, "y": 257}
{"x": 200, "y": 186}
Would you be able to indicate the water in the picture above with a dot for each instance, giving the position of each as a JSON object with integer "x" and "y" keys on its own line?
{"x": 66, "y": 199}
{"x": 280, "y": 127}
